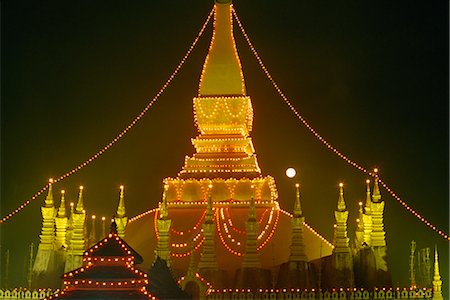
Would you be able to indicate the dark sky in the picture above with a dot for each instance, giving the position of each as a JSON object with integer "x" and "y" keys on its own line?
{"x": 370, "y": 76}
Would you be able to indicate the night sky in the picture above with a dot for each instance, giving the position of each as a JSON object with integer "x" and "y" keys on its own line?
{"x": 370, "y": 76}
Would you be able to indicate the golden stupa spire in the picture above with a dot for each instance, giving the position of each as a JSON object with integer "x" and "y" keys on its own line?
{"x": 376, "y": 196}
{"x": 121, "y": 208}
{"x": 62, "y": 206}
{"x": 297, "y": 205}
{"x": 121, "y": 218}
{"x": 368, "y": 197}
{"x": 164, "y": 212}
{"x": 437, "y": 282}
{"x": 49, "y": 199}
{"x": 222, "y": 72}
{"x": 80, "y": 205}
{"x": 341, "y": 202}
{"x": 222, "y": 111}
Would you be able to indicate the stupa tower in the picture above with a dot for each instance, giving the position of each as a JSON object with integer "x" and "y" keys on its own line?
{"x": 223, "y": 115}
{"x": 121, "y": 218}
{"x": 45, "y": 257}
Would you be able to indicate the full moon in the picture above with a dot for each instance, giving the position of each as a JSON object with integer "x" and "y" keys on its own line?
{"x": 290, "y": 172}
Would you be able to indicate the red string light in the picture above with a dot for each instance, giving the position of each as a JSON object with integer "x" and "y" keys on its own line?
{"x": 325, "y": 142}
{"x": 122, "y": 133}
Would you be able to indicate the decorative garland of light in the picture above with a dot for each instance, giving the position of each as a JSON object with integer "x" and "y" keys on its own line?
{"x": 225, "y": 222}
{"x": 227, "y": 219}
{"x": 326, "y": 143}
{"x": 310, "y": 229}
{"x": 139, "y": 216}
{"x": 122, "y": 133}
{"x": 190, "y": 230}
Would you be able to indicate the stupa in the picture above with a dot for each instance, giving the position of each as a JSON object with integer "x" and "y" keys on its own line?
{"x": 220, "y": 201}
{"x": 219, "y": 226}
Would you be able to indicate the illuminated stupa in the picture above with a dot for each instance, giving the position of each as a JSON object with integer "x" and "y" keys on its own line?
{"x": 219, "y": 226}
{"x": 224, "y": 172}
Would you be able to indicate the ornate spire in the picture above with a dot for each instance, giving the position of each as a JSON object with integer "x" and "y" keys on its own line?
{"x": 437, "y": 282}
{"x": 121, "y": 207}
{"x": 367, "y": 217}
{"x": 163, "y": 223}
{"x": 359, "y": 233}
{"x": 341, "y": 203}
{"x": 222, "y": 111}
{"x": 368, "y": 197}
{"x": 121, "y": 219}
{"x": 77, "y": 242}
{"x": 376, "y": 196}
{"x": 377, "y": 235}
{"x": 61, "y": 224}
{"x": 62, "y": 206}
{"x": 340, "y": 231}
{"x": 222, "y": 72}
{"x": 80, "y": 205}
{"x": 297, "y": 244}
{"x": 47, "y": 237}
{"x": 297, "y": 206}
{"x": 49, "y": 199}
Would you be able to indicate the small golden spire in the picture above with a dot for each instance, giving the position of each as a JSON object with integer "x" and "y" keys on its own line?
{"x": 71, "y": 208}
{"x": 376, "y": 196}
{"x": 62, "y": 206}
{"x": 297, "y": 206}
{"x": 368, "y": 197}
{"x": 49, "y": 199}
{"x": 164, "y": 212}
{"x": 121, "y": 208}
{"x": 80, "y": 207}
{"x": 341, "y": 201}
{"x": 437, "y": 282}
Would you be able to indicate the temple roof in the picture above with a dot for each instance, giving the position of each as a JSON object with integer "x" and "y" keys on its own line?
{"x": 113, "y": 246}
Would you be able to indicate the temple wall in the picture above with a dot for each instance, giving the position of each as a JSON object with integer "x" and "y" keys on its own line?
{"x": 18, "y": 293}
{"x": 335, "y": 295}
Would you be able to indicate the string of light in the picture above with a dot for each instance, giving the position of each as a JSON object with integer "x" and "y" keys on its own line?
{"x": 326, "y": 143}
{"x": 122, "y": 133}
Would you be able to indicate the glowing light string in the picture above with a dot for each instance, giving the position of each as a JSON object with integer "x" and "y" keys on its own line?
{"x": 326, "y": 143}
{"x": 122, "y": 133}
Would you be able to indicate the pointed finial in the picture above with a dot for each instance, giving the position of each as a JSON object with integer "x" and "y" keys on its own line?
{"x": 72, "y": 205}
{"x": 121, "y": 208}
{"x": 164, "y": 212}
{"x": 437, "y": 282}
{"x": 368, "y": 197}
{"x": 341, "y": 201}
{"x": 376, "y": 196}
{"x": 297, "y": 206}
{"x": 436, "y": 264}
{"x": 49, "y": 198}
{"x": 62, "y": 206}
{"x": 80, "y": 206}
{"x": 252, "y": 213}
